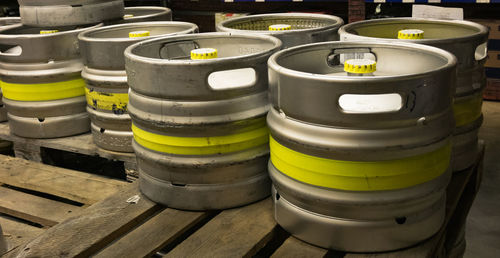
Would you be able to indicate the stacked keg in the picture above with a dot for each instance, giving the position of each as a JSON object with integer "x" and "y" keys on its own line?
{"x": 146, "y": 13}
{"x": 292, "y": 29}
{"x": 198, "y": 105}
{"x": 47, "y": 13}
{"x": 360, "y": 159}
{"x": 467, "y": 41}
{"x": 40, "y": 65}
{"x": 106, "y": 80}
{"x": 9, "y": 21}
{"x": 3, "y": 243}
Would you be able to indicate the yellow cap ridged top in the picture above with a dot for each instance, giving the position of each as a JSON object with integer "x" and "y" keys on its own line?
{"x": 48, "y": 31}
{"x": 203, "y": 53}
{"x": 360, "y": 66}
{"x": 411, "y": 34}
{"x": 127, "y": 16}
{"x": 138, "y": 34}
{"x": 279, "y": 27}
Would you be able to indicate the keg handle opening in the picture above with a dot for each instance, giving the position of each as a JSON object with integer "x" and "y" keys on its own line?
{"x": 338, "y": 56}
{"x": 370, "y": 103}
{"x": 177, "y": 50}
{"x": 11, "y": 50}
{"x": 481, "y": 52}
{"x": 232, "y": 79}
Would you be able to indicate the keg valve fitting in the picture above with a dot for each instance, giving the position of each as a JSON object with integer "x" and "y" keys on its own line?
{"x": 360, "y": 67}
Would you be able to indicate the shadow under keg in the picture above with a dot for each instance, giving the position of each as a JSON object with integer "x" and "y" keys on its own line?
{"x": 106, "y": 80}
{"x": 467, "y": 41}
{"x": 199, "y": 125}
{"x": 361, "y": 142}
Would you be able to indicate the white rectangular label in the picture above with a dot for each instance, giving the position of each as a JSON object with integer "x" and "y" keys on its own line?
{"x": 436, "y": 12}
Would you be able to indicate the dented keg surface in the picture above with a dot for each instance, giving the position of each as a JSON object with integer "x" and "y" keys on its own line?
{"x": 106, "y": 80}
{"x": 5, "y": 21}
{"x": 467, "y": 41}
{"x": 292, "y": 29}
{"x": 199, "y": 126}
{"x": 365, "y": 157}
{"x": 40, "y": 76}
{"x": 144, "y": 14}
{"x": 43, "y": 13}
{"x": 3, "y": 243}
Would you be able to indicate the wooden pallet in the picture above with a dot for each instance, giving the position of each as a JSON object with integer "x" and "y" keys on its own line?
{"x": 39, "y": 149}
{"x": 115, "y": 227}
{"x": 35, "y": 197}
{"x": 492, "y": 90}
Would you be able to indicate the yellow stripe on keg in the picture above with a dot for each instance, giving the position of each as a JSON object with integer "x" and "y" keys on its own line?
{"x": 116, "y": 102}
{"x": 467, "y": 111}
{"x": 357, "y": 175}
{"x": 201, "y": 145}
{"x": 43, "y": 91}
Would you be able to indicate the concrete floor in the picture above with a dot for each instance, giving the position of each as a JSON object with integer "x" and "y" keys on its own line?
{"x": 483, "y": 224}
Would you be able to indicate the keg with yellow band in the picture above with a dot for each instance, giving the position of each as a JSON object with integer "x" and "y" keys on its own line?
{"x": 467, "y": 110}
{"x": 116, "y": 102}
{"x": 43, "y": 91}
{"x": 253, "y": 136}
{"x": 360, "y": 175}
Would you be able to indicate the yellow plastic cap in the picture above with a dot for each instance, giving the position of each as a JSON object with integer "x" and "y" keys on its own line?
{"x": 138, "y": 34}
{"x": 360, "y": 66}
{"x": 48, "y": 31}
{"x": 279, "y": 27}
{"x": 411, "y": 34}
{"x": 203, "y": 53}
{"x": 127, "y": 16}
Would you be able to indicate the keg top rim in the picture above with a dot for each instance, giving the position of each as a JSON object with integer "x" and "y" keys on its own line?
{"x": 87, "y": 35}
{"x": 155, "y": 10}
{"x": 482, "y": 30}
{"x": 78, "y": 29}
{"x": 165, "y": 39}
{"x": 223, "y": 26}
{"x": 274, "y": 65}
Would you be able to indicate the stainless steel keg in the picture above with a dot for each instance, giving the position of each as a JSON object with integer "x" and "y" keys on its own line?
{"x": 3, "y": 243}
{"x": 47, "y": 13}
{"x": 5, "y": 21}
{"x": 360, "y": 161}
{"x": 199, "y": 126}
{"x": 104, "y": 73}
{"x": 146, "y": 13}
{"x": 41, "y": 83}
{"x": 467, "y": 41}
{"x": 292, "y": 28}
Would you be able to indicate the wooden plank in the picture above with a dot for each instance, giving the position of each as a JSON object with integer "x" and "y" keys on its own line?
{"x": 93, "y": 229}
{"x": 82, "y": 143}
{"x": 17, "y": 233}
{"x": 295, "y": 248}
{"x": 156, "y": 233}
{"x": 237, "y": 232}
{"x": 73, "y": 185}
{"x": 33, "y": 208}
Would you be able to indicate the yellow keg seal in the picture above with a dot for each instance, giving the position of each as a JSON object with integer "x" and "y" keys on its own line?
{"x": 138, "y": 34}
{"x": 411, "y": 34}
{"x": 280, "y": 27}
{"x": 360, "y": 66}
{"x": 48, "y": 31}
{"x": 203, "y": 53}
{"x": 128, "y": 16}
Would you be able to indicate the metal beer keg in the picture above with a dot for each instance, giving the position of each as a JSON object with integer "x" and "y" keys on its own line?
{"x": 5, "y": 21}
{"x": 106, "y": 80}
{"x": 291, "y": 28}
{"x": 467, "y": 41}
{"x": 46, "y": 13}
{"x": 41, "y": 83}
{"x": 199, "y": 126}
{"x": 360, "y": 159}
{"x": 146, "y": 13}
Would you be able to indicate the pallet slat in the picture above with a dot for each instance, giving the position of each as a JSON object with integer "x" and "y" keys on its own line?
{"x": 33, "y": 208}
{"x": 93, "y": 229}
{"x": 237, "y": 232}
{"x": 156, "y": 233}
{"x": 73, "y": 185}
{"x": 294, "y": 248}
{"x": 17, "y": 233}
